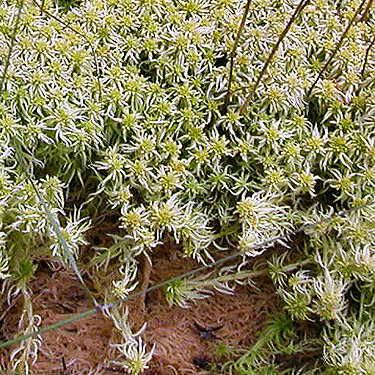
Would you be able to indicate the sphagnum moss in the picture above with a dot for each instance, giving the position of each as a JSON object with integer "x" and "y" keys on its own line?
{"x": 129, "y": 95}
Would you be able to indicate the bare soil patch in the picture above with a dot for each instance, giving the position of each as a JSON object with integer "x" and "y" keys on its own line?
{"x": 183, "y": 345}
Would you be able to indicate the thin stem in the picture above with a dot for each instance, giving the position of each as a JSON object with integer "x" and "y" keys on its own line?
{"x": 367, "y": 55}
{"x": 363, "y": 19}
{"x": 233, "y": 53}
{"x": 367, "y": 11}
{"x": 11, "y": 46}
{"x": 49, "y": 328}
{"x": 231, "y": 277}
{"x": 41, "y": 7}
{"x": 55, "y": 225}
{"x": 300, "y": 7}
{"x": 339, "y": 44}
{"x": 264, "y": 244}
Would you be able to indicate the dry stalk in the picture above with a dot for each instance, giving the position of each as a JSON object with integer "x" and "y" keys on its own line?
{"x": 42, "y": 10}
{"x": 233, "y": 53}
{"x": 367, "y": 11}
{"x": 339, "y": 44}
{"x": 366, "y": 56}
{"x": 11, "y": 46}
{"x": 300, "y": 7}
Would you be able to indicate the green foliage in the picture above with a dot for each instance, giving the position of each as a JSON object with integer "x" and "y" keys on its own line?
{"x": 273, "y": 339}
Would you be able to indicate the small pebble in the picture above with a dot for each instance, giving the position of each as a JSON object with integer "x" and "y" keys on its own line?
{"x": 71, "y": 328}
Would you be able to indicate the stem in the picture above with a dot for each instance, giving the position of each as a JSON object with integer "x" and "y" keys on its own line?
{"x": 100, "y": 308}
{"x": 366, "y": 12}
{"x": 12, "y": 41}
{"x": 337, "y": 46}
{"x": 41, "y": 7}
{"x": 146, "y": 273}
{"x": 233, "y": 53}
{"x": 55, "y": 225}
{"x": 366, "y": 56}
{"x": 300, "y": 7}
{"x": 224, "y": 278}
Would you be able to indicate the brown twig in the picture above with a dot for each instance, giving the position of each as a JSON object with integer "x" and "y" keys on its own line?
{"x": 41, "y": 7}
{"x": 367, "y": 11}
{"x": 366, "y": 56}
{"x": 300, "y": 7}
{"x": 65, "y": 369}
{"x": 339, "y": 44}
{"x": 233, "y": 53}
{"x": 12, "y": 41}
{"x": 146, "y": 272}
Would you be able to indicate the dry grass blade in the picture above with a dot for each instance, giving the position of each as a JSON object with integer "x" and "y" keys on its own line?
{"x": 42, "y": 10}
{"x": 264, "y": 245}
{"x": 367, "y": 55}
{"x": 296, "y": 13}
{"x": 339, "y": 44}
{"x": 11, "y": 46}
{"x": 233, "y": 53}
{"x": 367, "y": 11}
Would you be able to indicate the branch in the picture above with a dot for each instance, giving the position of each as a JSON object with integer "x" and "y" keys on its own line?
{"x": 233, "y": 53}
{"x": 339, "y": 44}
{"x": 300, "y": 7}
